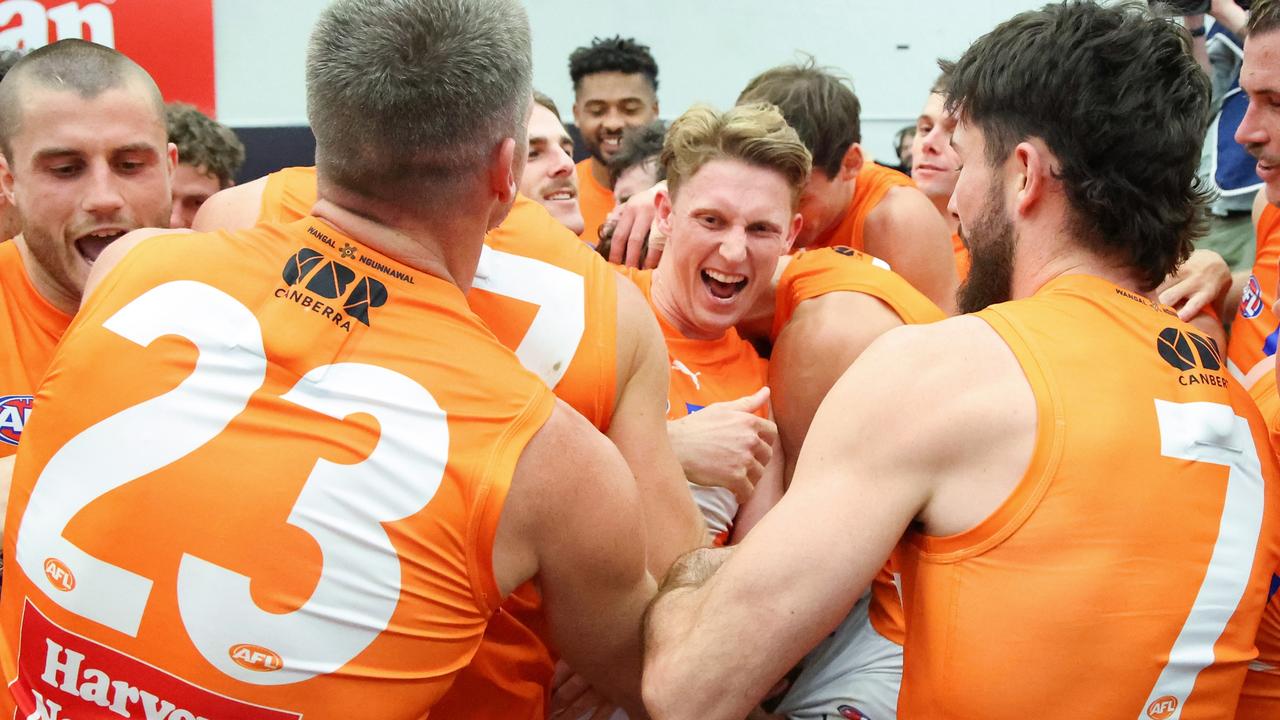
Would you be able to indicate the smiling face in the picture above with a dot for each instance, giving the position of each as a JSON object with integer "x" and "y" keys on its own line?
{"x": 549, "y": 178}
{"x": 608, "y": 103}
{"x": 1259, "y": 130}
{"x": 934, "y": 163}
{"x": 84, "y": 171}
{"x": 726, "y": 229}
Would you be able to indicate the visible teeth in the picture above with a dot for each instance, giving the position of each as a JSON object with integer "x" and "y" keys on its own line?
{"x": 560, "y": 196}
{"x": 725, "y": 278}
{"x": 613, "y": 141}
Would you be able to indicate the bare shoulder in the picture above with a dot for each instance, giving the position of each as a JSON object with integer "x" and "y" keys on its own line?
{"x": 115, "y": 252}
{"x": 945, "y": 380}
{"x": 904, "y": 208}
{"x": 234, "y": 208}
{"x": 948, "y": 402}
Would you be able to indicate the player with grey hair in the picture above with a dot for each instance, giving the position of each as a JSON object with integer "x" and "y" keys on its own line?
{"x": 424, "y": 473}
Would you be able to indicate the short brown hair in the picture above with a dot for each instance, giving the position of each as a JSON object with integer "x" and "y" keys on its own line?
{"x": 1118, "y": 99}
{"x": 74, "y": 65}
{"x": 1264, "y": 16}
{"x": 755, "y": 134}
{"x": 545, "y": 101}
{"x": 204, "y": 143}
{"x": 818, "y": 102}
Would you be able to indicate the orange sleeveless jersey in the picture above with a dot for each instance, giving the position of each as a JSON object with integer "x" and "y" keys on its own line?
{"x": 1260, "y": 699}
{"x": 1145, "y": 528}
{"x": 872, "y": 184}
{"x": 551, "y": 299}
{"x": 814, "y": 273}
{"x": 1256, "y": 328}
{"x": 29, "y": 331}
{"x": 285, "y": 506}
{"x": 594, "y": 200}
{"x": 704, "y": 372}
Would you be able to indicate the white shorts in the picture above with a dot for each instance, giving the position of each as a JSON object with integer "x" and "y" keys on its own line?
{"x": 854, "y": 673}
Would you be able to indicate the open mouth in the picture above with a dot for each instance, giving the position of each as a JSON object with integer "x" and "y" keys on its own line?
{"x": 723, "y": 286}
{"x": 91, "y": 245}
{"x": 611, "y": 143}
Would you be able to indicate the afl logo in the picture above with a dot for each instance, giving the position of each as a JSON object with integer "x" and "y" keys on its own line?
{"x": 59, "y": 574}
{"x": 1251, "y": 299}
{"x": 1162, "y": 707}
{"x": 15, "y": 411}
{"x": 255, "y": 658}
{"x": 849, "y": 711}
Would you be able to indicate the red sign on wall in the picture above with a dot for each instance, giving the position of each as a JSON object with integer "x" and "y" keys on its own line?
{"x": 172, "y": 40}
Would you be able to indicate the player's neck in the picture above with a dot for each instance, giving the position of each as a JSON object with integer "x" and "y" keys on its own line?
{"x": 668, "y": 308}
{"x": 442, "y": 249}
{"x": 44, "y": 284}
{"x": 1040, "y": 268}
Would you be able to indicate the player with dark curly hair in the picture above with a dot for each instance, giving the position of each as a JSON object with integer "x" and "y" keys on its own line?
{"x": 615, "y": 83}
{"x": 209, "y": 156}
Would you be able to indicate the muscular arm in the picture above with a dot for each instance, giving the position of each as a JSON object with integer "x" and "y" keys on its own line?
{"x": 234, "y": 208}
{"x": 820, "y": 341}
{"x": 906, "y": 231}
{"x": 573, "y": 519}
{"x": 894, "y": 438}
{"x": 639, "y": 430}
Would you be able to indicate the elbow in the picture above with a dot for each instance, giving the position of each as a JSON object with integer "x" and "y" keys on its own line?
{"x": 670, "y": 692}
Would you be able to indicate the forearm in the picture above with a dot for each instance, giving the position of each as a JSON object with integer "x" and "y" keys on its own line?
{"x": 673, "y": 523}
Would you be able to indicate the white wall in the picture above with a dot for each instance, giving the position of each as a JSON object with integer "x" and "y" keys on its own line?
{"x": 706, "y": 49}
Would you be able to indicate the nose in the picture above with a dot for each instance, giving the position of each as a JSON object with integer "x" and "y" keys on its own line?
{"x": 614, "y": 121}
{"x": 1250, "y": 131}
{"x": 934, "y": 140}
{"x": 561, "y": 163}
{"x": 102, "y": 194}
{"x": 733, "y": 246}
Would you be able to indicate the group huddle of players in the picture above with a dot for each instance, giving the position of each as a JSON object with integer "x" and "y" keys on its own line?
{"x": 437, "y": 427}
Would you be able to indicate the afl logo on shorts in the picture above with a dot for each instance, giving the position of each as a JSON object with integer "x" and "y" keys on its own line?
{"x": 1251, "y": 299}
{"x": 15, "y": 411}
{"x": 849, "y": 711}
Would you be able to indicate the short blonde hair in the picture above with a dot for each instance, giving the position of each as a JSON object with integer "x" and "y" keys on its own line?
{"x": 755, "y": 134}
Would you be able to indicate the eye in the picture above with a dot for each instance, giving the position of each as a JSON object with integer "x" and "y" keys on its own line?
{"x": 65, "y": 170}
{"x": 710, "y": 221}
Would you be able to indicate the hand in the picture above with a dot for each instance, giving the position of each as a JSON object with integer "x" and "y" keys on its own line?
{"x": 725, "y": 444}
{"x": 1202, "y": 280}
{"x": 633, "y": 222}
{"x": 573, "y": 698}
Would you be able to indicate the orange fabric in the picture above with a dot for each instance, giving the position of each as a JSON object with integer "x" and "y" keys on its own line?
{"x": 872, "y": 184}
{"x": 1260, "y": 698}
{"x": 1255, "y": 329}
{"x": 29, "y": 331}
{"x": 305, "y": 483}
{"x": 962, "y": 256}
{"x": 594, "y": 200}
{"x": 1100, "y": 557}
{"x": 704, "y": 372}
{"x": 814, "y": 273}
{"x": 510, "y": 675}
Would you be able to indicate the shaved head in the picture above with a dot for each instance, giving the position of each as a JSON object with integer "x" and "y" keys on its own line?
{"x": 77, "y": 66}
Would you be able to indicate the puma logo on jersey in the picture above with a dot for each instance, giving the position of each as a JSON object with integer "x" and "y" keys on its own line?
{"x": 1162, "y": 707}
{"x": 15, "y": 412}
{"x": 59, "y": 574}
{"x": 255, "y": 657}
{"x": 681, "y": 367}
